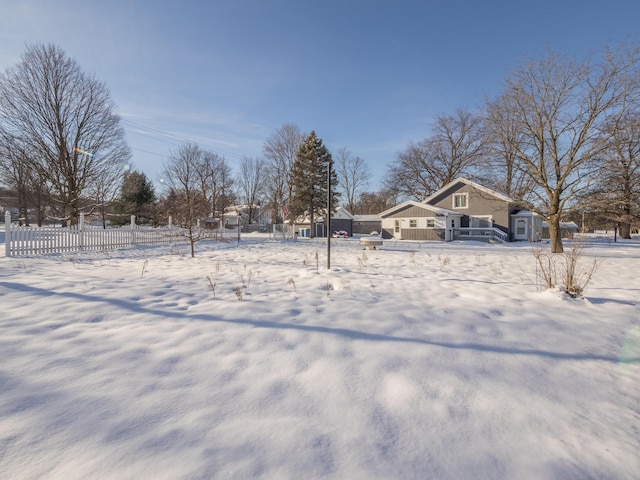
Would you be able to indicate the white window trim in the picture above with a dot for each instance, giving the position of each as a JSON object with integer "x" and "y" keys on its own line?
{"x": 432, "y": 219}
{"x": 466, "y": 201}
{"x": 415, "y": 223}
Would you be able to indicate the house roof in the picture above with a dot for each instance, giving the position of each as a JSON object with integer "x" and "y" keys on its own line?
{"x": 475, "y": 185}
{"x": 366, "y": 218}
{"x": 425, "y": 206}
{"x": 342, "y": 212}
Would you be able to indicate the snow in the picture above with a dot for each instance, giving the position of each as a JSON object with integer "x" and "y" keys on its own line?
{"x": 417, "y": 360}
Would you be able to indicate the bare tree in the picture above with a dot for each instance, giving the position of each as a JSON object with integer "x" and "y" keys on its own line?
{"x": 501, "y": 170}
{"x": 454, "y": 148}
{"x": 18, "y": 176}
{"x": 353, "y": 175}
{"x": 66, "y": 120}
{"x": 410, "y": 175}
{"x": 372, "y": 203}
{"x": 280, "y": 151}
{"x": 216, "y": 183}
{"x": 185, "y": 201}
{"x": 616, "y": 193}
{"x": 250, "y": 182}
{"x": 558, "y": 107}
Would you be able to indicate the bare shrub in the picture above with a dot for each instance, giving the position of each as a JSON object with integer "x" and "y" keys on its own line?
{"x": 545, "y": 268}
{"x": 566, "y": 270}
{"x": 291, "y": 282}
{"x": 577, "y": 275}
{"x": 238, "y": 293}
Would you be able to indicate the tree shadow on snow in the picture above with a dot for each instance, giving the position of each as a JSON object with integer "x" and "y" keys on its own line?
{"x": 343, "y": 332}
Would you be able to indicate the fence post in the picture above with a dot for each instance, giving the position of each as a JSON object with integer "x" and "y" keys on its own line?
{"x": 7, "y": 233}
{"x": 133, "y": 227}
{"x": 81, "y": 232}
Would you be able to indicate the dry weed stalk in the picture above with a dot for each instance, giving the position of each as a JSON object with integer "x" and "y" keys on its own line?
{"x": 213, "y": 285}
{"x": 238, "y": 292}
{"x": 444, "y": 261}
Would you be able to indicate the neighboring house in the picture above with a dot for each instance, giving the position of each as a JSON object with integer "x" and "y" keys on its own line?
{"x": 240, "y": 214}
{"x": 366, "y": 224}
{"x": 460, "y": 210}
{"x": 212, "y": 223}
{"x": 341, "y": 219}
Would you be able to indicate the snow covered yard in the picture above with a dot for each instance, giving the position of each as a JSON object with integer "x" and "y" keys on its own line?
{"x": 419, "y": 360}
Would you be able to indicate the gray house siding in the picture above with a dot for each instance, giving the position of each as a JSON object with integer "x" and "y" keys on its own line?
{"x": 432, "y": 234}
{"x": 479, "y": 203}
{"x": 409, "y": 213}
{"x": 412, "y": 211}
{"x": 342, "y": 224}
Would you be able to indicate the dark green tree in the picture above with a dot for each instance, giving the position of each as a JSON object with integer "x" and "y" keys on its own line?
{"x": 138, "y": 193}
{"x": 310, "y": 175}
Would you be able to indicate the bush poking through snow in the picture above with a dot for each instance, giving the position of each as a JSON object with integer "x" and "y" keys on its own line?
{"x": 238, "y": 292}
{"x": 576, "y": 275}
{"x": 566, "y": 270}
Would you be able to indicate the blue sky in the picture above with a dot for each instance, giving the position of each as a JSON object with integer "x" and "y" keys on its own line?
{"x": 366, "y": 75}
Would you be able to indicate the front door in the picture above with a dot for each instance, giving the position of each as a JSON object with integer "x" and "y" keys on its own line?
{"x": 397, "y": 231}
{"x": 521, "y": 231}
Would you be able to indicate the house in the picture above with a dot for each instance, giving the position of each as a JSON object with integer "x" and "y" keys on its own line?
{"x": 341, "y": 219}
{"x": 366, "y": 224}
{"x": 239, "y": 214}
{"x": 413, "y": 220}
{"x": 460, "y": 210}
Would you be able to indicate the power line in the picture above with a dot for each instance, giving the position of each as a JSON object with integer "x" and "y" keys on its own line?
{"x": 156, "y": 134}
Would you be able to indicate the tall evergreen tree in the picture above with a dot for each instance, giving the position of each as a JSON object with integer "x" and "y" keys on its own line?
{"x": 310, "y": 174}
{"x": 137, "y": 194}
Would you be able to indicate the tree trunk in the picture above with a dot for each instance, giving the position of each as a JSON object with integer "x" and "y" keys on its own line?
{"x": 555, "y": 233}
{"x": 625, "y": 230}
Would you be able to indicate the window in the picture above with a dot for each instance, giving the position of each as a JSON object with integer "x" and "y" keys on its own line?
{"x": 460, "y": 200}
{"x": 431, "y": 223}
{"x": 413, "y": 223}
{"x": 484, "y": 221}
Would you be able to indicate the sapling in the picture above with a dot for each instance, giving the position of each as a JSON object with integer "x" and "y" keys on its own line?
{"x": 212, "y": 284}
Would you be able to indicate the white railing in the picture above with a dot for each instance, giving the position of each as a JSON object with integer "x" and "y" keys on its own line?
{"x": 483, "y": 234}
{"x": 24, "y": 240}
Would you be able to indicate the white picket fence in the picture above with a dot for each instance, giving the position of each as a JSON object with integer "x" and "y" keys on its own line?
{"x": 26, "y": 241}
